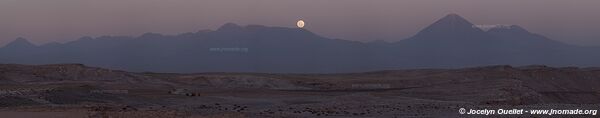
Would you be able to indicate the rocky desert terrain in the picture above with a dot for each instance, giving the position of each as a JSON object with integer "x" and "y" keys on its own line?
{"x": 75, "y": 91}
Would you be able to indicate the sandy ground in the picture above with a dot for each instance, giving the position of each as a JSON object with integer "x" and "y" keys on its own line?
{"x": 44, "y": 92}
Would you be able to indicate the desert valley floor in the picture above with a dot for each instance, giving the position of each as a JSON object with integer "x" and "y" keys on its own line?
{"x": 75, "y": 91}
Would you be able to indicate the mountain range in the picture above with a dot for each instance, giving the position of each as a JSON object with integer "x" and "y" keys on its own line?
{"x": 450, "y": 42}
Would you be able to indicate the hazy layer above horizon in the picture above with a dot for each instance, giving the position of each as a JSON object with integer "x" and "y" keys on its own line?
{"x": 43, "y": 21}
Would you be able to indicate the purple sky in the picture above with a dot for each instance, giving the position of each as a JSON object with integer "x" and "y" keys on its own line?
{"x": 43, "y": 21}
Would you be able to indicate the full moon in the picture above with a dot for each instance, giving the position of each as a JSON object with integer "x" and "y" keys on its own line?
{"x": 300, "y": 23}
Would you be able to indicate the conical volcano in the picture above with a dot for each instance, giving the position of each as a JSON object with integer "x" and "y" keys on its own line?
{"x": 452, "y": 26}
{"x": 19, "y": 43}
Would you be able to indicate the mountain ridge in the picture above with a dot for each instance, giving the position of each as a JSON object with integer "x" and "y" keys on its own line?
{"x": 449, "y": 42}
{"x": 20, "y": 43}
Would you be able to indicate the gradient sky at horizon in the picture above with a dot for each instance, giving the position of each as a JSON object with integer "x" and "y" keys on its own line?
{"x": 43, "y": 21}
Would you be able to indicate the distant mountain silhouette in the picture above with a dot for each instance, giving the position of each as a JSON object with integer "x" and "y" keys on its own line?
{"x": 455, "y": 42}
{"x": 19, "y": 43}
{"x": 450, "y": 42}
{"x": 449, "y": 29}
